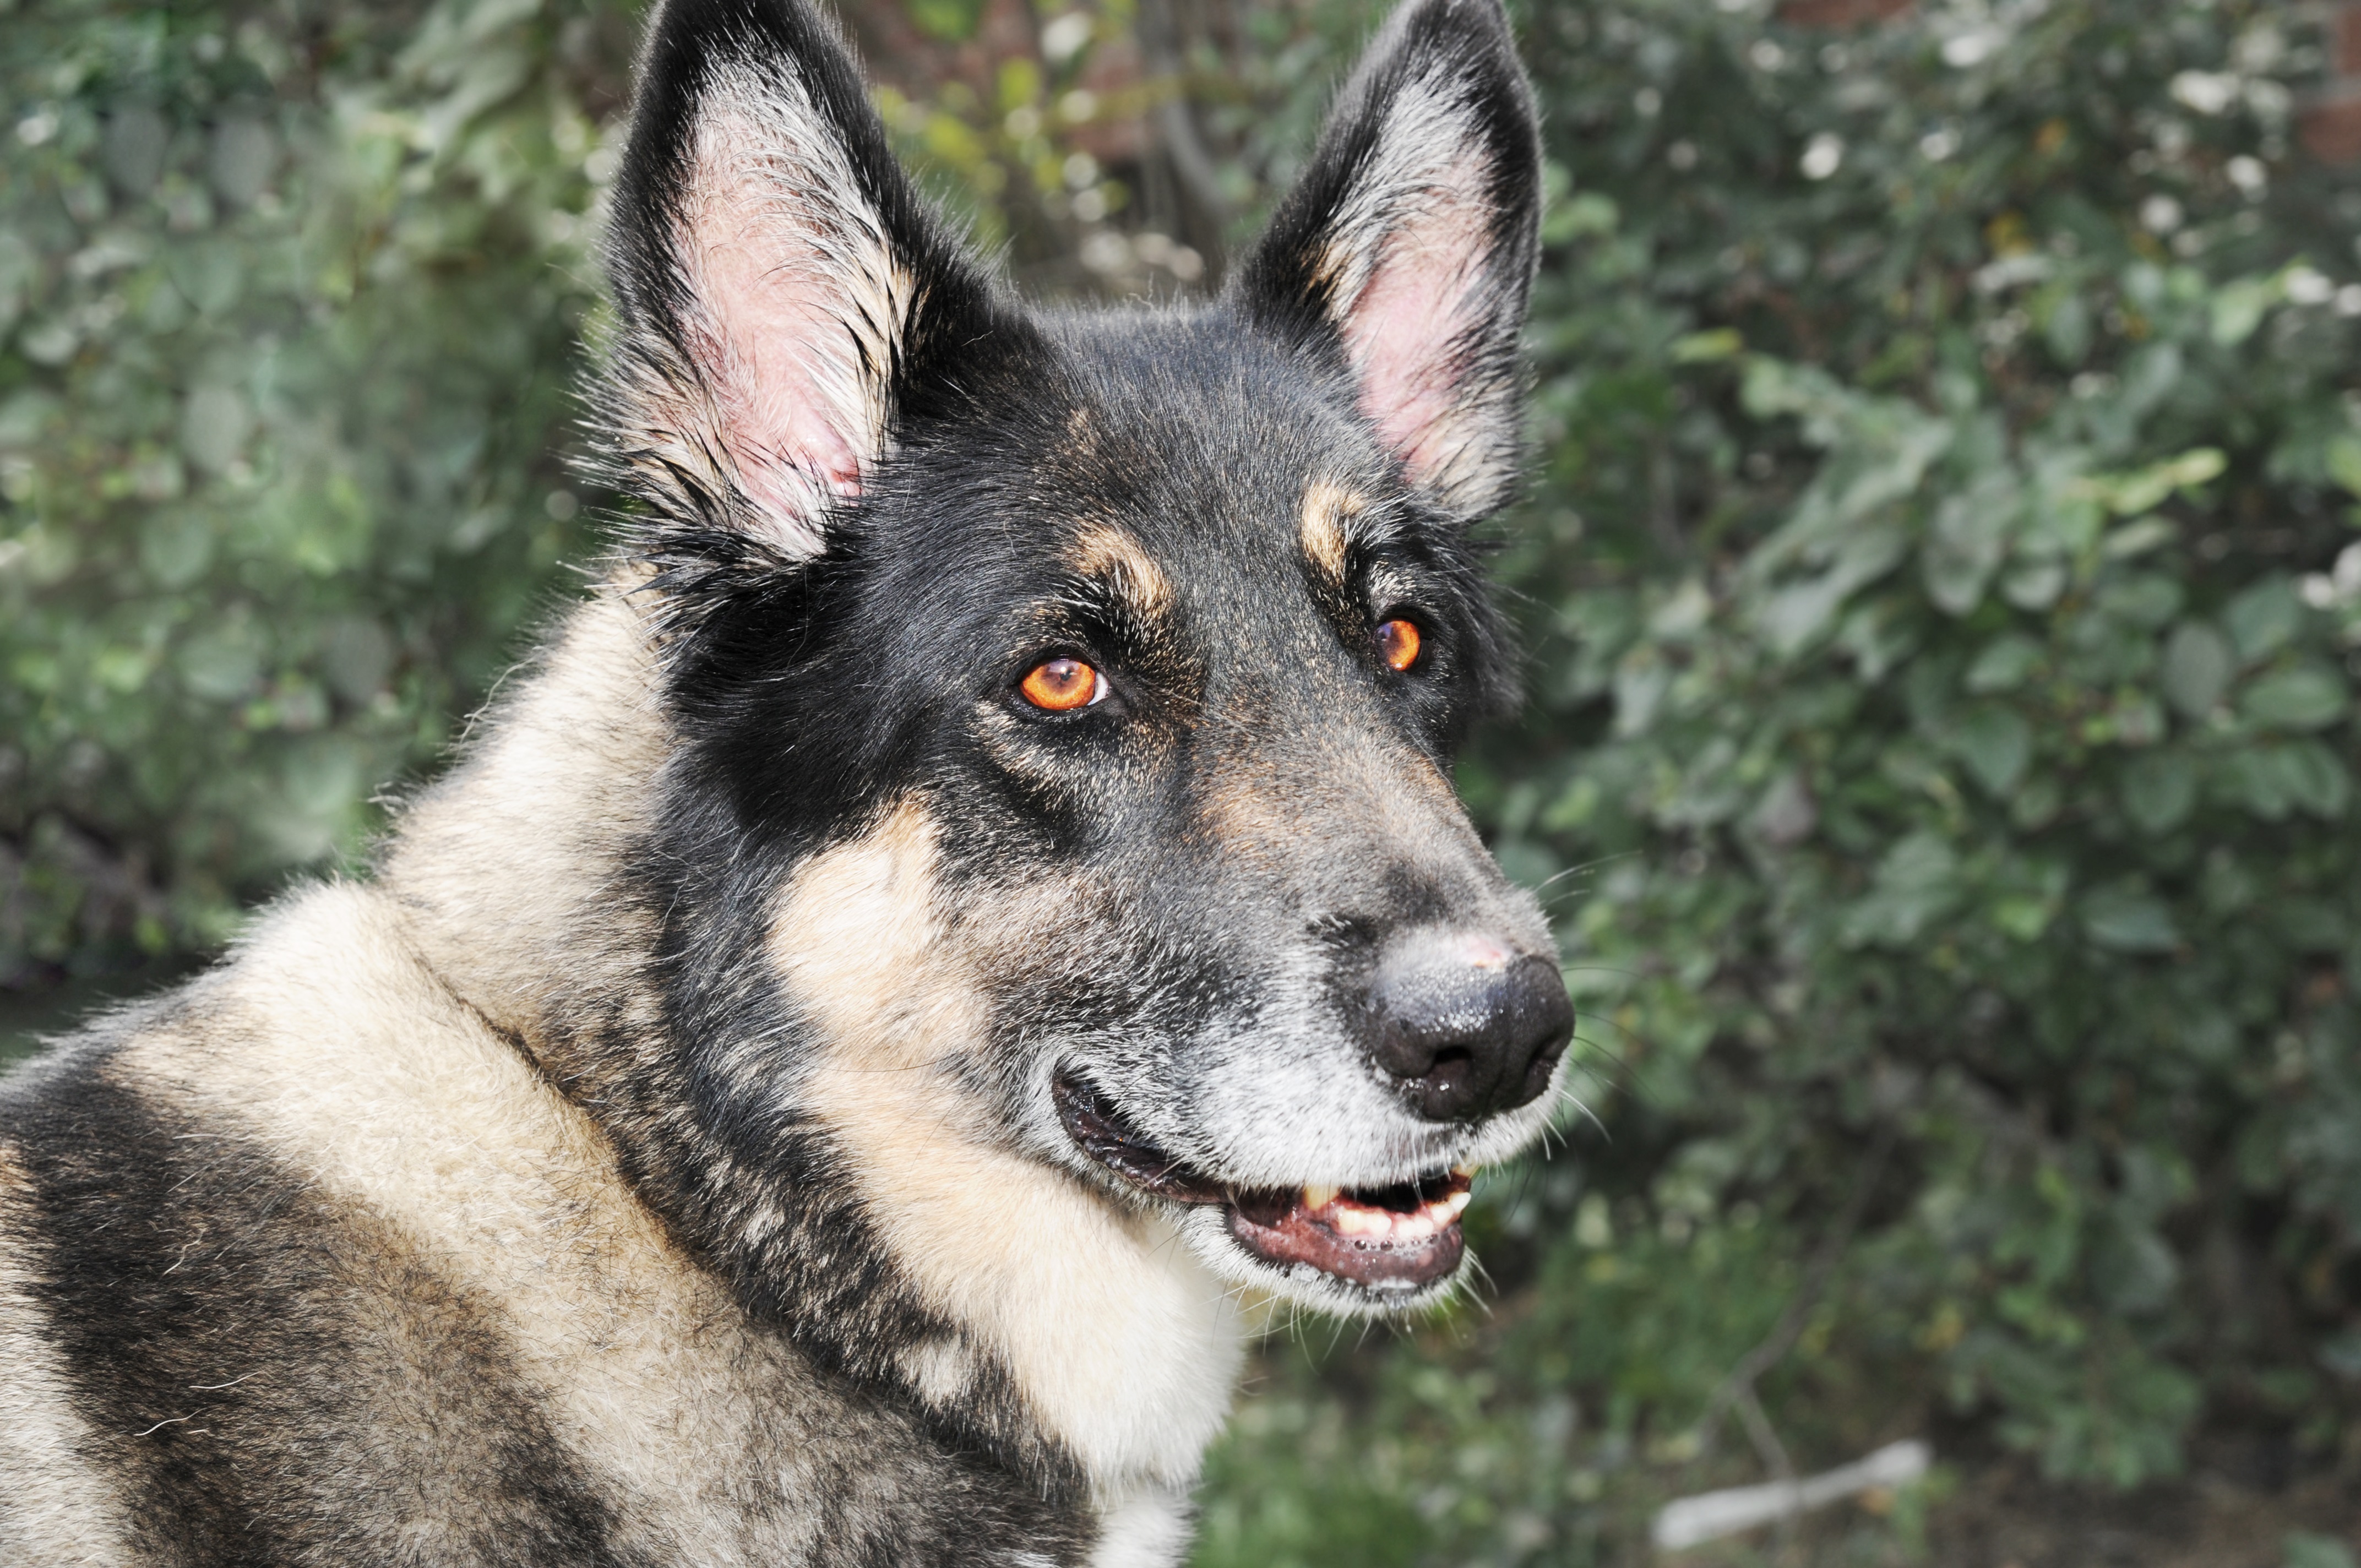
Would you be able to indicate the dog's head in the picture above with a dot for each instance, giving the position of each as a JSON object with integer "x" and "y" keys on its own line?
{"x": 1066, "y": 703}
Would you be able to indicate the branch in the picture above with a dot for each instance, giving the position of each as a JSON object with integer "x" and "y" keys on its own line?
{"x": 1174, "y": 122}
{"x": 1738, "y": 1387}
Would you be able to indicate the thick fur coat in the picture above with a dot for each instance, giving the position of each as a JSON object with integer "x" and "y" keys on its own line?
{"x": 972, "y": 901}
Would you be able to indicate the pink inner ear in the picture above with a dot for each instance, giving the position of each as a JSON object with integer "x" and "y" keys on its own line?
{"x": 1403, "y": 329}
{"x": 761, "y": 336}
{"x": 796, "y": 304}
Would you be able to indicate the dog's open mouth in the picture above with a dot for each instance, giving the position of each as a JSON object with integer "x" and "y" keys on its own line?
{"x": 1392, "y": 1239}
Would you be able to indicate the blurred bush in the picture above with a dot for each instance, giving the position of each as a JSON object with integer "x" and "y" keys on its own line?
{"x": 1940, "y": 571}
{"x": 290, "y": 297}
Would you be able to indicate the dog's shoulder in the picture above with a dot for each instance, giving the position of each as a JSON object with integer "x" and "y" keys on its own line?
{"x": 291, "y": 1210}
{"x": 310, "y": 1225}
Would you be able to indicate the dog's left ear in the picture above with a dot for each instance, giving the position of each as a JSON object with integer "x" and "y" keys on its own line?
{"x": 1409, "y": 246}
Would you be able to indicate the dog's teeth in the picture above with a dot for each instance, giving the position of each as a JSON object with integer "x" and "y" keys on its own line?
{"x": 1466, "y": 1171}
{"x": 1450, "y": 1208}
{"x": 1316, "y": 1197}
{"x": 1352, "y": 1220}
{"x": 1412, "y": 1227}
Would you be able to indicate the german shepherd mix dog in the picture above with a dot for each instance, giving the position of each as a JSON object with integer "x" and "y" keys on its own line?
{"x": 972, "y": 897}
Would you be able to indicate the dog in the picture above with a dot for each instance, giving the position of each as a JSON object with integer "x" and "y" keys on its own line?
{"x": 969, "y": 903}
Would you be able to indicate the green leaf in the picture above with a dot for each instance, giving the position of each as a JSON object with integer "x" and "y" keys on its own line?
{"x": 1967, "y": 541}
{"x": 2036, "y": 585}
{"x": 2159, "y": 789}
{"x": 2272, "y": 779}
{"x": 1792, "y": 616}
{"x": 2005, "y": 663}
{"x": 2297, "y": 696}
{"x": 2258, "y": 781}
{"x": 2302, "y": 1549}
{"x": 223, "y": 662}
{"x": 2147, "y": 600}
{"x": 2198, "y": 668}
{"x": 2137, "y": 538}
{"x": 953, "y": 21}
{"x": 2344, "y": 458}
{"x": 2317, "y": 780}
{"x": 2023, "y": 917}
{"x": 2127, "y": 495}
{"x": 1704, "y": 347}
{"x": 2068, "y": 330}
{"x": 2128, "y": 919}
{"x": 2263, "y": 618}
{"x": 2239, "y": 308}
{"x": 1586, "y": 213}
{"x": 2133, "y": 1269}
{"x": 1916, "y": 882}
{"x": 1996, "y": 744}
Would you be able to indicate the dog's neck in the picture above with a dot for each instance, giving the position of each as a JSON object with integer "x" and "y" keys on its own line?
{"x": 887, "y": 1227}
{"x": 508, "y": 866}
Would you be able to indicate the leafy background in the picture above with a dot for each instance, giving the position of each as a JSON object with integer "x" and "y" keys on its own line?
{"x": 1943, "y": 585}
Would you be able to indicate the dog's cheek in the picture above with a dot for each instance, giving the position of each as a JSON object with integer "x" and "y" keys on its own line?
{"x": 855, "y": 944}
{"x": 1079, "y": 1305}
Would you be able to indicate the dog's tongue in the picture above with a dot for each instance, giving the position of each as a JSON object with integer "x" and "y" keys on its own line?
{"x": 1400, "y": 1238}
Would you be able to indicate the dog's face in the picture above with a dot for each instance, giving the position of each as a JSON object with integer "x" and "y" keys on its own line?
{"x": 1072, "y": 700}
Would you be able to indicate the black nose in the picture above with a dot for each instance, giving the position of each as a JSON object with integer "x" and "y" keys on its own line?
{"x": 1467, "y": 1030}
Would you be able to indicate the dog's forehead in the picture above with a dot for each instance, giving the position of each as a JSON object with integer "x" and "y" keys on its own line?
{"x": 1191, "y": 449}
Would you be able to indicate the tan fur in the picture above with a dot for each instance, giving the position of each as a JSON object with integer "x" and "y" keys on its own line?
{"x": 1109, "y": 553}
{"x": 56, "y": 1510}
{"x": 1327, "y": 509}
{"x": 1124, "y": 1345}
{"x": 1391, "y": 792}
{"x": 505, "y": 867}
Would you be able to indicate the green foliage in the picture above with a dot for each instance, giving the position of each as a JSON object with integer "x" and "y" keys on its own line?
{"x": 2305, "y": 1549}
{"x": 1037, "y": 146}
{"x": 1949, "y": 674}
{"x": 288, "y": 302}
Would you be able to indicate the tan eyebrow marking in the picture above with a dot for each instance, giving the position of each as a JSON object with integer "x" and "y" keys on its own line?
{"x": 1110, "y": 553}
{"x": 1327, "y": 507}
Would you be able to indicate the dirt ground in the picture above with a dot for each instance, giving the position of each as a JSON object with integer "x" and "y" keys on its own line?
{"x": 2006, "y": 1518}
{"x": 2236, "y": 1507}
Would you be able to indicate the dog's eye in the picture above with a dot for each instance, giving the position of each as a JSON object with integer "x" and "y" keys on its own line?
{"x": 1397, "y": 643}
{"x": 1061, "y": 686}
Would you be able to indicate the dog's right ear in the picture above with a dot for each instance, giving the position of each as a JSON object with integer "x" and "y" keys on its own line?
{"x": 781, "y": 287}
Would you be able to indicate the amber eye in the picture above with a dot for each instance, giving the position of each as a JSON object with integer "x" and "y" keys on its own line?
{"x": 1398, "y": 645}
{"x": 1062, "y": 685}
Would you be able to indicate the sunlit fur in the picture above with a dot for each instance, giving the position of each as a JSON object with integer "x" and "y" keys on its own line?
{"x": 655, "y": 1159}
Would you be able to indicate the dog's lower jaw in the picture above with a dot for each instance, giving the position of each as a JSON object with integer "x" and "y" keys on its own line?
{"x": 1390, "y": 1250}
